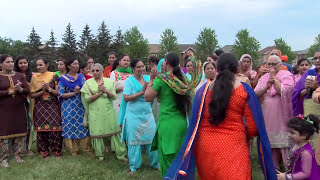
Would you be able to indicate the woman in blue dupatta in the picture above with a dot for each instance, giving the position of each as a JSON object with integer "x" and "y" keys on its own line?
{"x": 205, "y": 142}
{"x": 136, "y": 118}
{"x": 72, "y": 110}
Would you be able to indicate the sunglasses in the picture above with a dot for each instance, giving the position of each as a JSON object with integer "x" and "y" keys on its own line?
{"x": 95, "y": 70}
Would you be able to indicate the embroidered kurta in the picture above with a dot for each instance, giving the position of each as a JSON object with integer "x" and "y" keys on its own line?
{"x": 72, "y": 108}
{"x": 13, "y": 121}
{"x": 100, "y": 113}
{"x": 277, "y": 108}
{"x": 47, "y": 112}
{"x": 119, "y": 81}
{"x": 138, "y": 122}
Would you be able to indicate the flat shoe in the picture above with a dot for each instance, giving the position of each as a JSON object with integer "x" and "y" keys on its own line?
{"x": 4, "y": 164}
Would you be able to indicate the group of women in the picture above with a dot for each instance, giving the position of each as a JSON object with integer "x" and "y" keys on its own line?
{"x": 204, "y": 119}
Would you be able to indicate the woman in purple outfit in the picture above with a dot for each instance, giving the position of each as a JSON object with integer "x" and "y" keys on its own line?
{"x": 301, "y": 163}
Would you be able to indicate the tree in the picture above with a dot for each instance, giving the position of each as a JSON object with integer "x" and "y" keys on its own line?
{"x": 315, "y": 47}
{"x": 118, "y": 42}
{"x": 246, "y": 44}
{"x": 86, "y": 41}
{"x": 285, "y": 49}
{"x": 101, "y": 45}
{"x": 50, "y": 51}
{"x": 206, "y": 43}
{"x": 12, "y": 47}
{"x": 33, "y": 43}
{"x": 168, "y": 43}
{"x": 52, "y": 42}
{"x": 68, "y": 48}
{"x": 135, "y": 45}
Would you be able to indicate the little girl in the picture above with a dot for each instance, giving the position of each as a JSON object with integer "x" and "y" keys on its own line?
{"x": 301, "y": 163}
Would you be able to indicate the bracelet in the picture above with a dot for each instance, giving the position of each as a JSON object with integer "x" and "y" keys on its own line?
{"x": 21, "y": 90}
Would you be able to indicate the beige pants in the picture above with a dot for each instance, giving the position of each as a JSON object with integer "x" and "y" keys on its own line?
{"x": 73, "y": 145}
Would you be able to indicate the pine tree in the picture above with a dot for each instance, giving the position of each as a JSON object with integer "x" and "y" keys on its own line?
{"x": 168, "y": 43}
{"x": 33, "y": 44}
{"x": 69, "y": 46}
{"x": 102, "y": 42}
{"x": 86, "y": 40}
{"x": 118, "y": 42}
{"x": 52, "y": 42}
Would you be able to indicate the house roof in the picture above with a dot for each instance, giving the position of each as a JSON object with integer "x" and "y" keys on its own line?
{"x": 301, "y": 52}
{"x": 266, "y": 50}
{"x": 155, "y": 48}
{"x": 227, "y": 48}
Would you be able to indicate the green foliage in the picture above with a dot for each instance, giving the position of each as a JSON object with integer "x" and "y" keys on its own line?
{"x": 12, "y": 47}
{"x": 315, "y": 47}
{"x": 68, "y": 47}
{"x": 86, "y": 42}
{"x": 206, "y": 43}
{"x": 52, "y": 42}
{"x": 246, "y": 44}
{"x": 136, "y": 46}
{"x": 85, "y": 167}
{"x": 101, "y": 44}
{"x": 118, "y": 42}
{"x": 168, "y": 43}
{"x": 33, "y": 45}
{"x": 285, "y": 49}
{"x": 50, "y": 52}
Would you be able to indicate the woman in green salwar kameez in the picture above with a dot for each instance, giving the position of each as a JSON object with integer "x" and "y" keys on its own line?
{"x": 97, "y": 95}
{"x": 173, "y": 90}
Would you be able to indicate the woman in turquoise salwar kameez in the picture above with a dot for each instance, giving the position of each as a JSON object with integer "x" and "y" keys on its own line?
{"x": 136, "y": 118}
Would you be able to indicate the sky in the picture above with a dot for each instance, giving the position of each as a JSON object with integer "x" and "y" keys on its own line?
{"x": 297, "y": 22}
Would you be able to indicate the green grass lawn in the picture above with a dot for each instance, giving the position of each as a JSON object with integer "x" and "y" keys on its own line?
{"x": 83, "y": 167}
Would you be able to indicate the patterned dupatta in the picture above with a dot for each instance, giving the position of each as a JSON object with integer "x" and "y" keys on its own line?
{"x": 183, "y": 167}
{"x": 185, "y": 86}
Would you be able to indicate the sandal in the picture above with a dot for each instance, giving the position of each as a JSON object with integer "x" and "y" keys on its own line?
{"x": 44, "y": 154}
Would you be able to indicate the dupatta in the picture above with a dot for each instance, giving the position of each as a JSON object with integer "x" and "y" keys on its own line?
{"x": 185, "y": 86}
{"x": 183, "y": 167}
{"x": 123, "y": 105}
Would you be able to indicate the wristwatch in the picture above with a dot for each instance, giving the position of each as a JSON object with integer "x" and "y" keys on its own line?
{"x": 21, "y": 90}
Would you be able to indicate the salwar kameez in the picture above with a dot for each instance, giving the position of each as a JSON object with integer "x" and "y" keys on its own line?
{"x": 72, "y": 111}
{"x": 13, "y": 121}
{"x": 47, "y": 114}
{"x": 101, "y": 118}
{"x": 171, "y": 127}
{"x": 138, "y": 125}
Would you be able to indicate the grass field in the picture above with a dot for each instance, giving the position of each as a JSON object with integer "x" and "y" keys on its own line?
{"x": 83, "y": 167}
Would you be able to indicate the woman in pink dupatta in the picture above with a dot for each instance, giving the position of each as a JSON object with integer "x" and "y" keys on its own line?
{"x": 276, "y": 88}
{"x": 246, "y": 67}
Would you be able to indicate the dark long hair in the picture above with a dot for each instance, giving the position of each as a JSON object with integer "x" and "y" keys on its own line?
{"x": 69, "y": 62}
{"x": 303, "y": 126}
{"x": 183, "y": 102}
{"x": 227, "y": 67}
{"x": 17, "y": 69}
